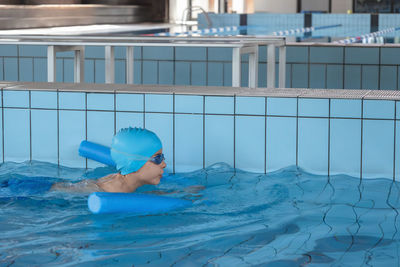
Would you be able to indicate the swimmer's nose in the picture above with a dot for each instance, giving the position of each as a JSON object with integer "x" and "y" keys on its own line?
{"x": 163, "y": 164}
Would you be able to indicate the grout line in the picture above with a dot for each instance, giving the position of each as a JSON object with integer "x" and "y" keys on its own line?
{"x": 265, "y": 137}
{"x": 173, "y": 134}
{"x": 206, "y": 63}
{"x": 94, "y": 70}
{"x": 58, "y": 128}
{"x": 204, "y": 132}
{"x": 2, "y": 120}
{"x": 63, "y": 69}
{"x": 30, "y": 126}
{"x": 33, "y": 69}
{"x": 18, "y": 63}
{"x": 343, "y": 68}
{"x": 326, "y": 76}
{"x": 223, "y": 75}
{"x": 144, "y": 111}
{"x": 297, "y": 132}
{"x": 361, "y": 139}
{"x": 4, "y": 72}
{"x": 329, "y": 139}
{"x": 86, "y": 127}
{"x": 158, "y": 72}
{"x": 141, "y": 66}
{"x": 379, "y": 70}
{"x": 174, "y": 65}
{"x": 115, "y": 112}
{"x": 394, "y": 142}
{"x": 291, "y": 75}
{"x": 308, "y": 67}
{"x": 190, "y": 74}
{"x": 234, "y": 133}
{"x": 210, "y": 114}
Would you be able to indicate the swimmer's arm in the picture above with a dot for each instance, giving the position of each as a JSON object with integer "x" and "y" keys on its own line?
{"x": 193, "y": 189}
{"x": 85, "y": 186}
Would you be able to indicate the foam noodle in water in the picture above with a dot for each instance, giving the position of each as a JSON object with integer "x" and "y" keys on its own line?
{"x": 103, "y": 202}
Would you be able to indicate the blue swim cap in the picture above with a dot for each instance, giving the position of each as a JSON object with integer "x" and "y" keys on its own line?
{"x": 131, "y": 148}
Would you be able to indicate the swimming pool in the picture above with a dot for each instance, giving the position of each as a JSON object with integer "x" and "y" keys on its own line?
{"x": 272, "y": 214}
{"x": 284, "y": 218}
{"x": 255, "y": 208}
{"x": 309, "y": 27}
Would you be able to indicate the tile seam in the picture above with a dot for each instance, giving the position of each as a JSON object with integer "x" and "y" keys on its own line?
{"x": 2, "y": 121}
{"x": 58, "y": 130}
{"x": 173, "y": 134}
{"x": 30, "y": 126}
{"x": 265, "y": 135}
{"x": 361, "y": 139}
{"x": 86, "y": 127}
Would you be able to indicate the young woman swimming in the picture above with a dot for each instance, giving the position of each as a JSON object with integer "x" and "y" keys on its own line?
{"x": 139, "y": 160}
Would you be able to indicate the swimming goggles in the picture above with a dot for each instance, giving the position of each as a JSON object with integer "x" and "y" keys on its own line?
{"x": 157, "y": 159}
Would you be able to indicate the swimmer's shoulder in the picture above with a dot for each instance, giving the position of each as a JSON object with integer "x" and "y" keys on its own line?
{"x": 111, "y": 183}
{"x": 84, "y": 186}
{"x": 106, "y": 179}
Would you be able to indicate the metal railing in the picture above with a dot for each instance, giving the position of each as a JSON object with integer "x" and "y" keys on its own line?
{"x": 240, "y": 45}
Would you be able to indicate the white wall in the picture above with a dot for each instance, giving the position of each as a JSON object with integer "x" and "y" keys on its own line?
{"x": 176, "y": 8}
{"x": 239, "y": 6}
{"x": 275, "y": 6}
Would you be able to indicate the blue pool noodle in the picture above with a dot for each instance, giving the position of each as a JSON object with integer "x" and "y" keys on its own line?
{"x": 96, "y": 152}
{"x": 103, "y": 202}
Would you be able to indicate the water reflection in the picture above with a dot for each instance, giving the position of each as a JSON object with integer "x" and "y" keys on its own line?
{"x": 286, "y": 218}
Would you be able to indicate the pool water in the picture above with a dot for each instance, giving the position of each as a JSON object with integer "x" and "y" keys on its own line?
{"x": 285, "y": 218}
{"x": 326, "y": 33}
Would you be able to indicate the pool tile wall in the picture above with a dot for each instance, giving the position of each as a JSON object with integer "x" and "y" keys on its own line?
{"x": 355, "y": 67}
{"x": 274, "y": 22}
{"x": 352, "y": 24}
{"x": 218, "y": 20}
{"x": 308, "y": 66}
{"x": 344, "y": 132}
{"x": 388, "y": 21}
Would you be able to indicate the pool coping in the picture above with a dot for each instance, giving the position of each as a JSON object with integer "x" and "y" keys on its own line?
{"x": 288, "y": 43}
{"x": 203, "y": 90}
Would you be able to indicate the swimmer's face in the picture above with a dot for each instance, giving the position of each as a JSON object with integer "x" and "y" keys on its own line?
{"x": 151, "y": 173}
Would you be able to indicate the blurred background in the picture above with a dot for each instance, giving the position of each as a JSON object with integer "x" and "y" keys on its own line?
{"x": 22, "y": 14}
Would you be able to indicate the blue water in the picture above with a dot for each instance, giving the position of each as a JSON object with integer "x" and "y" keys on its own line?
{"x": 322, "y": 33}
{"x": 285, "y": 218}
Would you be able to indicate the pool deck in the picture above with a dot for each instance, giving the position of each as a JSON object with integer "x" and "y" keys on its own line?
{"x": 204, "y": 90}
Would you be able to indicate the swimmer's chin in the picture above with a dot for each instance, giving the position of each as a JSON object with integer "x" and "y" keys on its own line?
{"x": 157, "y": 180}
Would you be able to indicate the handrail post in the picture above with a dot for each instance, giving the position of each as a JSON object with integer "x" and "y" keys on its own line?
{"x": 253, "y": 68}
{"x": 239, "y": 45}
{"x": 271, "y": 66}
{"x": 109, "y": 64}
{"x": 79, "y": 61}
{"x": 236, "y": 67}
{"x": 79, "y": 58}
{"x": 51, "y": 63}
{"x": 129, "y": 65}
{"x": 282, "y": 67}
